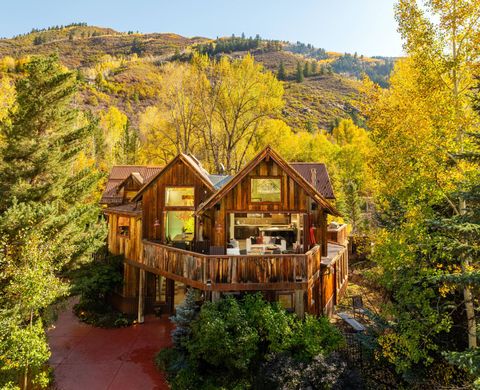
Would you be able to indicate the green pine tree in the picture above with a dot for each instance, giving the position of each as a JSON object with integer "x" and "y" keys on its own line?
{"x": 457, "y": 238}
{"x": 137, "y": 47}
{"x": 41, "y": 186}
{"x": 306, "y": 69}
{"x": 129, "y": 146}
{"x": 48, "y": 214}
{"x": 185, "y": 313}
{"x": 281, "y": 74}
{"x": 314, "y": 68}
{"x": 299, "y": 75}
{"x": 352, "y": 205}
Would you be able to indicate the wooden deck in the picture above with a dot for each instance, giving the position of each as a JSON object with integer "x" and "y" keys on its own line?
{"x": 334, "y": 275}
{"x": 316, "y": 282}
{"x": 232, "y": 272}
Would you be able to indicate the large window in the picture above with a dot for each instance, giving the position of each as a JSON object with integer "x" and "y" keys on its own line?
{"x": 179, "y": 225}
{"x": 179, "y": 196}
{"x": 266, "y": 190}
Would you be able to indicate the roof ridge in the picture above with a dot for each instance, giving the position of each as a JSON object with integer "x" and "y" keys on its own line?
{"x": 306, "y": 162}
{"x": 136, "y": 165}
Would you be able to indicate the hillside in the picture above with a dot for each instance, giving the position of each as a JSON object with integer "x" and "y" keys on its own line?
{"x": 123, "y": 69}
{"x": 84, "y": 46}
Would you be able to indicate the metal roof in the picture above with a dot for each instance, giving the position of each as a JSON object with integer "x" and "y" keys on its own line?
{"x": 119, "y": 173}
{"x": 318, "y": 178}
{"x": 133, "y": 208}
{"x": 219, "y": 180}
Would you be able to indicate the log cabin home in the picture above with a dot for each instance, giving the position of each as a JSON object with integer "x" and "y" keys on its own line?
{"x": 263, "y": 229}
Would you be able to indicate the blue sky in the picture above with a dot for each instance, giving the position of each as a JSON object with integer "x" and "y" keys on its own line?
{"x": 365, "y": 26}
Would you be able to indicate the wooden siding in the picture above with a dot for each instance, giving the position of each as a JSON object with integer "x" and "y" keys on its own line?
{"x": 153, "y": 201}
{"x": 131, "y": 246}
{"x": 294, "y": 197}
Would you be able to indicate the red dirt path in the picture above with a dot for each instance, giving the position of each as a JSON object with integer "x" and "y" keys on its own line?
{"x": 89, "y": 358}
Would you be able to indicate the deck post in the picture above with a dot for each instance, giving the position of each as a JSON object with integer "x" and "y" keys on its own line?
{"x": 299, "y": 303}
{"x": 215, "y": 296}
{"x": 141, "y": 298}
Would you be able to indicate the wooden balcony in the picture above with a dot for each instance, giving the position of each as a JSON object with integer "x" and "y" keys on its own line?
{"x": 232, "y": 272}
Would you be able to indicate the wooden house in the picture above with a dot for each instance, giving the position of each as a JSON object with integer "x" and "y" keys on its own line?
{"x": 263, "y": 229}
{"x": 124, "y": 182}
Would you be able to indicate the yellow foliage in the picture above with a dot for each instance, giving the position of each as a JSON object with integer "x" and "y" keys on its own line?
{"x": 7, "y": 64}
{"x": 7, "y": 96}
{"x": 157, "y": 147}
{"x": 112, "y": 123}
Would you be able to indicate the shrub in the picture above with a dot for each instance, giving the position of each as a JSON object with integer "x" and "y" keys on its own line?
{"x": 227, "y": 345}
{"x": 283, "y": 372}
{"x": 314, "y": 336}
{"x": 97, "y": 279}
{"x": 94, "y": 283}
{"x": 223, "y": 340}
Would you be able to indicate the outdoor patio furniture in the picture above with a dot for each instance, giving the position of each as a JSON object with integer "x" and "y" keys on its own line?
{"x": 356, "y": 326}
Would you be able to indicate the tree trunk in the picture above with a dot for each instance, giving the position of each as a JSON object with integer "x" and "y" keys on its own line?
{"x": 462, "y": 205}
{"x": 470, "y": 311}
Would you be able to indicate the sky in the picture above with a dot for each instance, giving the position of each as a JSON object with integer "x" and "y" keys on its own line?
{"x": 364, "y": 26}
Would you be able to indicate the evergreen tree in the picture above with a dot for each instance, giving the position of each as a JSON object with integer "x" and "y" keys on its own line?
{"x": 458, "y": 237}
{"x": 281, "y": 74}
{"x": 129, "y": 146}
{"x": 352, "y": 205}
{"x": 48, "y": 216}
{"x": 314, "y": 68}
{"x": 299, "y": 74}
{"x": 137, "y": 47}
{"x": 41, "y": 183}
{"x": 38, "y": 40}
{"x": 186, "y": 312}
{"x": 306, "y": 69}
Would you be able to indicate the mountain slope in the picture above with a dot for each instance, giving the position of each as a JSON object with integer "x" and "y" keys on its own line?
{"x": 123, "y": 69}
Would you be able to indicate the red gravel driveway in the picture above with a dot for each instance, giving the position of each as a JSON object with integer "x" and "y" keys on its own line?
{"x": 85, "y": 357}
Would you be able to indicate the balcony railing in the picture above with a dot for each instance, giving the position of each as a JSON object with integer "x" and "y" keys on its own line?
{"x": 232, "y": 272}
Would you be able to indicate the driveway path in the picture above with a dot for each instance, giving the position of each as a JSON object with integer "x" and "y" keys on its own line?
{"x": 85, "y": 357}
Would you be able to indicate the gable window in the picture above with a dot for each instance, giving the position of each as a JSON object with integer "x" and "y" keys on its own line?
{"x": 266, "y": 190}
{"x": 179, "y": 196}
{"x": 124, "y": 226}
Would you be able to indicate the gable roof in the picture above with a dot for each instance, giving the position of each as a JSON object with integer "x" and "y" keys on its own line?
{"x": 319, "y": 178}
{"x": 133, "y": 209}
{"x": 119, "y": 174}
{"x": 294, "y": 174}
{"x": 193, "y": 163}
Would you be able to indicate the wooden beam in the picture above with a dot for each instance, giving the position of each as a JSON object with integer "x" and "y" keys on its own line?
{"x": 141, "y": 297}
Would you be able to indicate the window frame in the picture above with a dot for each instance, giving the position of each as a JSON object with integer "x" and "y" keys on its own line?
{"x": 250, "y": 187}
{"x": 124, "y": 226}
{"x": 183, "y": 207}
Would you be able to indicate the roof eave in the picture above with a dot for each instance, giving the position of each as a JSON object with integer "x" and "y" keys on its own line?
{"x": 180, "y": 156}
